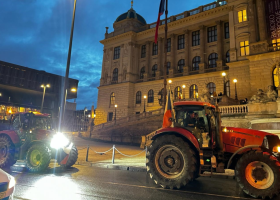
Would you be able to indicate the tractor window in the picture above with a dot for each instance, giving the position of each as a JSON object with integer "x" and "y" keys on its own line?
{"x": 16, "y": 122}
{"x": 42, "y": 123}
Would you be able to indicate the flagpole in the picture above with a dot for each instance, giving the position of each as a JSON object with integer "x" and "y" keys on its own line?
{"x": 165, "y": 55}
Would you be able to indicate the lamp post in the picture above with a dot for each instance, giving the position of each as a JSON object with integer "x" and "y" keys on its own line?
{"x": 183, "y": 86}
{"x": 224, "y": 75}
{"x": 63, "y": 102}
{"x": 144, "y": 103}
{"x": 235, "y": 81}
{"x": 85, "y": 109}
{"x": 43, "y": 86}
{"x": 116, "y": 113}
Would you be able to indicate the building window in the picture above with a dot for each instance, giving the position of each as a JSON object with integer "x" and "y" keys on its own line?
{"x": 195, "y": 63}
{"x": 178, "y": 93}
{"x": 181, "y": 42}
{"x": 276, "y": 44}
{"x": 181, "y": 64}
{"x": 142, "y": 72}
{"x": 193, "y": 91}
{"x": 275, "y": 77}
{"x": 138, "y": 97}
{"x": 117, "y": 51}
{"x": 196, "y": 38}
{"x": 112, "y": 99}
{"x": 212, "y": 60}
{"x": 155, "y": 49}
{"x": 226, "y": 26}
{"x": 143, "y": 51}
{"x": 115, "y": 75}
{"x": 242, "y": 16}
{"x": 227, "y": 57}
{"x": 169, "y": 45}
{"x": 228, "y": 88}
{"x": 168, "y": 67}
{"x": 244, "y": 48}
{"x": 110, "y": 116}
{"x": 212, "y": 88}
{"x": 150, "y": 96}
{"x": 212, "y": 34}
{"x": 154, "y": 69}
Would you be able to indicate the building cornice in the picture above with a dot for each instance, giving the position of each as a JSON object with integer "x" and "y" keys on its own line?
{"x": 118, "y": 37}
{"x": 238, "y": 63}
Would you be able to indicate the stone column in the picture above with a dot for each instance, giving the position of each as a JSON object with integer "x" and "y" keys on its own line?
{"x": 203, "y": 37}
{"x": 261, "y": 19}
{"x": 148, "y": 56}
{"x": 220, "y": 41}
{"x": 173, "y": 52}
{"x": 160, "y": 56}
{"x": 232, "y": 51}
{"x": 187, "y": 47}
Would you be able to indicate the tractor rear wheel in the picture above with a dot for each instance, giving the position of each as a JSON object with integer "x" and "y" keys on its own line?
{"x": 170, "y": 162}
{"x": 38, "y": 158}
{"x": 7, "y": 153}
{"x": 258, "y": 175}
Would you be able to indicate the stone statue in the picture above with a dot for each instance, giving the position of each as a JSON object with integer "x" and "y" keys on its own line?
{"x": 260, "y": 97}
{"x": 271, "y": 94}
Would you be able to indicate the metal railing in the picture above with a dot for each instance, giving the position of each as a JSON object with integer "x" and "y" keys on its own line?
{"x": 235, "y": 109}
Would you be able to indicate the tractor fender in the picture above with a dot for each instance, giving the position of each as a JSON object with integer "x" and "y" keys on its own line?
{"x": 12, "y": 135}
{"x": 239, "y": 150}
{"x": 180, "y": 131}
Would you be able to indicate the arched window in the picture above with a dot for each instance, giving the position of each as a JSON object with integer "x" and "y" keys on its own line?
{"x": 138, "y": 97}
{"x": 213, "y": 57}
{"x": 168, "y": 67}
{"x": 142, "y": 72}
{"x": 181, "y": 64}
{"x": 193, "y": 91}
{"x": 275, "y": 77}
{"x": 150, "y": 96}
{"x": 227, "y": 57}
{"x": 112, "y": 99}
{"x": 115, "y": 74}
{"x": 177, "y": 93}
{"x": 212, "y": 88}
{"x": 154, "y": 69}
{"x": 228, "y": 88}
{"x": 195, "y": 62}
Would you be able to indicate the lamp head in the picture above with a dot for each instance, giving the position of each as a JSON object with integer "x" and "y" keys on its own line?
{"x": 145, "y": 96}
{"x": 48, "y": 85}
{"x": 116, "y": 105}
{"x": 234, "y": 80}
{"x": 42, "y": 86}
{"x": 73, "y": 90}
{"x": 184, "y": 86}
{"x": 224, "y": 74}
{"x": 170, "y": 81}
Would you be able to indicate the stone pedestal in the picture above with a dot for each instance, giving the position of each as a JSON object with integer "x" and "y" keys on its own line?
{"x": 262, "y": 110}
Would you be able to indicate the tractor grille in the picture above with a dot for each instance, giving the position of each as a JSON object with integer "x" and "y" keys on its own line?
{"x": 3, "y": 186}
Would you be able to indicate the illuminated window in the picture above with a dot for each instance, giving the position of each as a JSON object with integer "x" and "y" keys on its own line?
{"x": 181, "y": 64}
{"x": 177, "y": 93}
{"x": 155, "y": 49}
{"x": 112, "y": 98}
{"x": 143, "y": 51}
{"x": 193, "y": 91}
{"x": 275, "y": 77}
{"x": 154, "y": 69}
{"x": 212, "y": 87}
{"x": 138, "y": 97}
{"x": 242, "y": 16}
{"x": 244, "y": 48}
{"x": 142, "y": 72}
{"x": 276, "y": 44}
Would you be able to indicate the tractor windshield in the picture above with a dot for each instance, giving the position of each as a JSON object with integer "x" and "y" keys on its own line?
{"x": 43, "y": 123}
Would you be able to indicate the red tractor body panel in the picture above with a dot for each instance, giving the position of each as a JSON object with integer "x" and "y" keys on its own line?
{"x": 195, "y": 103}
{"x": 13, "y": 135}
{"x": 44, "y": 134}
{"x": 235, "y": 138}
{"x": 180, "y": 131}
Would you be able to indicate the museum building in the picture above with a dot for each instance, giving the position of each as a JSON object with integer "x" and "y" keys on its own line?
{"x": 230, "y": 47}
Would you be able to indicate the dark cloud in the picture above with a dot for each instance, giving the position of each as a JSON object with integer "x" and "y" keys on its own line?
{"x": 35, "y": 34}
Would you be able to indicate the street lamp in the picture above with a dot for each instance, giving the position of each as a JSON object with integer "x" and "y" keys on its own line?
{"x": 116, "y": 112}
{"x": 224, "y": 75}
{"x": 170, "y": 81}
{"x": 235, "y": 81}
{"x": 183, "y": 86}
{"x": 43, "y": 86}
{"x": 145, "y": 102}
{"x": 73, "y": 90}
{"x": 85, "y": 109}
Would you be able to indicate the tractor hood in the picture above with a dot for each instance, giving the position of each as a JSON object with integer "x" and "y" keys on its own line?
{"x": 44, "y": 134}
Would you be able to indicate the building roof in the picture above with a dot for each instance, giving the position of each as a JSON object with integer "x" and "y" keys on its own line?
{"x": 131, "y": 14}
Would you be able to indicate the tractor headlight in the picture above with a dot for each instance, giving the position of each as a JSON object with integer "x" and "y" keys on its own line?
{"x": 265, "y": 143}
{"x": 276, "y": 149}
{"x": 59, "y": 141}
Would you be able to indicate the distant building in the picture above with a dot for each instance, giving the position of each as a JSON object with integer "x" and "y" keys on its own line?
{"x": 83, "y": 119}
{"x": 20, "y": 89}
{"x": 238, "y": 37}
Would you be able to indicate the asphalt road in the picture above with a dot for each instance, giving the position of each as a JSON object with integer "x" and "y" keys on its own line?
{"x": 86, "y": 183}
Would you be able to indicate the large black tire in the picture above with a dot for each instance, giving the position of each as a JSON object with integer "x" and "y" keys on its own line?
{"x": 258, "y": 175}
{"x": 38, "y": 158}
{"x": 7, "y": 152}
{"x": 73, "y": 156}
{"x": 170, "y": 162}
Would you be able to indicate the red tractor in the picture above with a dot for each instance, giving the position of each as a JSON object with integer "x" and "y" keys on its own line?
{"x": 31, "y": 137}
{"x": 197, "y": 143}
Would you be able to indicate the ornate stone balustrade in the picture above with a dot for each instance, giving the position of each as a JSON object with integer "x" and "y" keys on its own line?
{"x": 236, "y": 109}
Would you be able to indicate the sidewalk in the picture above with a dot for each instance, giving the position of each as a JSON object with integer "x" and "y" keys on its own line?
{"x": 125, "y": 161}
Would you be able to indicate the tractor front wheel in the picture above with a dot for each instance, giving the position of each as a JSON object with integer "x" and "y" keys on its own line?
{"x": 73, "y": 156}
{"x": 38, "y": 158}
{"x": 171, "y": 162}
{"x": 258, "y": 175}
{"x": 7, "y": 153}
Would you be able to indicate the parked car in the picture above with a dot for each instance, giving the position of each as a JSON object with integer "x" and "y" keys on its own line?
{"x": 7, "y": 186}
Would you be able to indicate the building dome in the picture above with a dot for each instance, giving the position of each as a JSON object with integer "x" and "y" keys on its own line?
{"x": 131, "y": 14}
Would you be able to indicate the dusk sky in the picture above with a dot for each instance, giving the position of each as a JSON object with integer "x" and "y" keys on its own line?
{"x": 35, "y": 34}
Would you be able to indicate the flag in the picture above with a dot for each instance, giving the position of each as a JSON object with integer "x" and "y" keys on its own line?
{"x": 160, "y": 12}
{"x": 167, "y": 118}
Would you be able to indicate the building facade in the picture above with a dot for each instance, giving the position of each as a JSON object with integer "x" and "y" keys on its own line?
{"x": 21, "y": 91}
{"x": 238, "y": 37}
